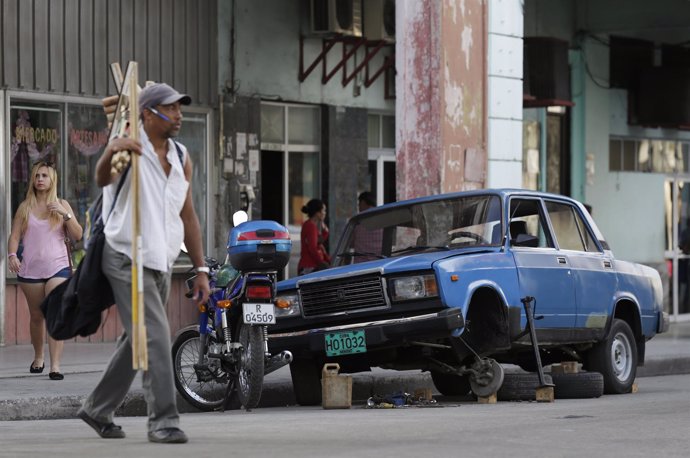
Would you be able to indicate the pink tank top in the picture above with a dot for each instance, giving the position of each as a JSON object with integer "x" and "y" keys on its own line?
{"x": 45, "y": 252}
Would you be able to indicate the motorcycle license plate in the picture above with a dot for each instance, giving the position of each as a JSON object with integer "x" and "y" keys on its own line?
{"x": 258, "y": 313}
{"x": 345, "y": 343}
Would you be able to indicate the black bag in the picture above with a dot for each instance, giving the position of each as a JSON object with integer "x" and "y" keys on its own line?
{"x": 74, "y": 307}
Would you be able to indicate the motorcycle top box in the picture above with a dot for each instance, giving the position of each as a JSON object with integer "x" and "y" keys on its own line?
{"x": 261, "y": 245}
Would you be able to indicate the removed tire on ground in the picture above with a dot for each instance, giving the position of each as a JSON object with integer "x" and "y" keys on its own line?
{"x": 579, "y": 385}
{"x": 520, "y": 387}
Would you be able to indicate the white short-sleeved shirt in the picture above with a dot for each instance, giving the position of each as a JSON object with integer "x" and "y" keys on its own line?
{"x": 161, "y": 201}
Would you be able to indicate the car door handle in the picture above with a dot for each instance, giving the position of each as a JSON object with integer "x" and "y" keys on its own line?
{"x": 561, "y": 259}
{"x": 607, "y": 264}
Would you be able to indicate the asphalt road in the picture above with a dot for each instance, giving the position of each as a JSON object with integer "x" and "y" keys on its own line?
{"x": 651, "y": 422}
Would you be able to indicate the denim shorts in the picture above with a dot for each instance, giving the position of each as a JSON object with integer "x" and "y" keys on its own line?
{"x": 62, "y": 273}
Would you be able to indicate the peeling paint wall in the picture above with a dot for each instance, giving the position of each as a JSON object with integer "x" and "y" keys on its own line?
{"x": 441, "y": 96}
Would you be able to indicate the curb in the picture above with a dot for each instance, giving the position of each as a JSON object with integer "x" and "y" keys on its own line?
{"x": 275, "y": 394}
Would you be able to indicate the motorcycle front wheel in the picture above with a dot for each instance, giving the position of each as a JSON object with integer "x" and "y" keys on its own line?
{"x": 250, "y": 366}
{"x": 203, "y": 388}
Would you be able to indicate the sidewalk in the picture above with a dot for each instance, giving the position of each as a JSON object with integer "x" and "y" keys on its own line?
{"x": 25, "y": 396}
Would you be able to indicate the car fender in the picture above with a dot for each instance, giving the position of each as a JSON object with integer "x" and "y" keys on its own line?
{"x": 461, "y": 276}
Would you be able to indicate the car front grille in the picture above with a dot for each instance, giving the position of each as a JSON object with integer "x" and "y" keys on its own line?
{"x": 343, "y": 295}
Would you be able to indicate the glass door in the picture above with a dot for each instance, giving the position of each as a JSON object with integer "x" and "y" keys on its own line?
{"x": 677, "y": 253}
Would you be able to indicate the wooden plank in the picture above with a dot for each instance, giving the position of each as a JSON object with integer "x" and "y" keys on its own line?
{"x": 191, "y": 63}
{"x": 26, "y": 45}
{"x": 42, "y": 46}
{"x": 492, "y": 399}
{"x": 166, "y": 42}
{"x": 140, "y": 19}
{"x": 204, "y": 59}
{"x": 100, "y": 48}
{"x": 86, "y": 55}
{"x": 10, "y": 18}
{"x": 113, "y": 38}
{"x": 56, "y": 45}
{"x": 126, "y": 31}
{"x": 153, "y": 43}
{"x": 72, "y": 73}
{"x": 179, "y": 60}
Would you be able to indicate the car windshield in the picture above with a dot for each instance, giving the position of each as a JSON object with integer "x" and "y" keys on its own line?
{"x": 427, "y": 226}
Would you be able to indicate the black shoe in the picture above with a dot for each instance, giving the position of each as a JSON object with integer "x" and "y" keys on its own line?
{"x": 36, "y": 370}
{"x": 168, "y": 436}
{"x": 105, "y": 430}
{"x": 56, "y": 376}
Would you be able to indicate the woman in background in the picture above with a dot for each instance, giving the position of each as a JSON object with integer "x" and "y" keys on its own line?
{"x": 314, "y": 255}
{"x": 42, "y": 222}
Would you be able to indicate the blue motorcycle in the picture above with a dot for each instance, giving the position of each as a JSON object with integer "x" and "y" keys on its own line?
{"x": 221, "y": 361}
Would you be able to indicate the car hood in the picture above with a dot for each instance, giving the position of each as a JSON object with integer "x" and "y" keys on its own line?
{"x": 400, "y": 264}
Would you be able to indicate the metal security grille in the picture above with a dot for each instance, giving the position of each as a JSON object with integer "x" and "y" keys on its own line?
{"x": 352, "y": 294}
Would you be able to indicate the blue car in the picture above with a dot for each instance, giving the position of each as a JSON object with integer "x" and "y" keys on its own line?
{"x": 442, "y": 283}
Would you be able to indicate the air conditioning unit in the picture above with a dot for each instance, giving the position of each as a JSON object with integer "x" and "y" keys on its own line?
{"x": 379, "y": 20}
{"x": 343, "y": 17}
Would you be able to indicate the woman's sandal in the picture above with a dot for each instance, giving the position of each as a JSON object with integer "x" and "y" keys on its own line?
{"x": 56, "y": 376}
{"x": 36, "y": 370}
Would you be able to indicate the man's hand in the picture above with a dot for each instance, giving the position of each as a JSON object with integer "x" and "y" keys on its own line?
{"x": 109, "y": 107}
{"x": 201, "y": 289}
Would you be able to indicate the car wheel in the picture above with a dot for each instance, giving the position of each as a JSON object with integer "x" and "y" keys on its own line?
{"x": 520, "y": 387}
{"x": 615, "y": 358}
{"x": 580, "y": 385}
{"x": 306, "y": 382}
{"x": 451, "y": 384}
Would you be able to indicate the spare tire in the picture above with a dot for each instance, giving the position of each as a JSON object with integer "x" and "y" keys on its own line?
{"x": 580, "y": 385}
{"x": 520, "y": 387}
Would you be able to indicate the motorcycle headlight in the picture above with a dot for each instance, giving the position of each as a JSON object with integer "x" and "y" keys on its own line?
{"x": 416, "y": 287}
{"x": 287, "y": 305}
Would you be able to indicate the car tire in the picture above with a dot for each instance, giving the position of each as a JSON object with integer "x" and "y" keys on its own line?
{"x": 615, "y": 358}
{"x": 580, "y": 385}
{"x": 306, "y": 382}
{"x": 451, "y": 384}
{"x": 520, "y": 387}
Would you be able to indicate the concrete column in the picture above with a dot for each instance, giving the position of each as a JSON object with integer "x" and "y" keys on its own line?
{"x": 505, "y": 57}
{"x": 441, "y": 96}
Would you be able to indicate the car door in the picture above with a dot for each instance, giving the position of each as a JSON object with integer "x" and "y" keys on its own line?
{"x": 595, "y": 278}
{"x": 543, "y": 271}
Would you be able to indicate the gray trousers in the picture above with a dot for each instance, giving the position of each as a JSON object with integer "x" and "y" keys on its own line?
{"x": 158, "y": 382}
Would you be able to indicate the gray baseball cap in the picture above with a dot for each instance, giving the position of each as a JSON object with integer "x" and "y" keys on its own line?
{"x": 161, "y": 94}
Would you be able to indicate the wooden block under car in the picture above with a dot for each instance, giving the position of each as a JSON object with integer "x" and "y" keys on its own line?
{"x": 423, "y": 394}
{"x": 487, "y": 399}
{"x": 544, "y": 394}
{"x": 634, "y": 388}
{"x": 565, "y": 367}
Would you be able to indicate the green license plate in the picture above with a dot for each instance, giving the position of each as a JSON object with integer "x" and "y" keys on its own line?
{"x": 345, "y": 343}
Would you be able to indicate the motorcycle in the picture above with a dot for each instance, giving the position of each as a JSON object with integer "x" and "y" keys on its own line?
{"x": 221, "y": 361}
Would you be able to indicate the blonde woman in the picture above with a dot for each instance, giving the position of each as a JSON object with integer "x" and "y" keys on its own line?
{"x": 42, "y": 221}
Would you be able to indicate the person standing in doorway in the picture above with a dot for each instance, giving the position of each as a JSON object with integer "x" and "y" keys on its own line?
{"x": 314, "y": 236}
{"x": 366, "y": 242}
{"x": 166, "y": 201}
{"x": 42, "y": 223}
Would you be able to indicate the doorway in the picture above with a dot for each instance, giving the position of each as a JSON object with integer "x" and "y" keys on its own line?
{"x": 677, "y": 253}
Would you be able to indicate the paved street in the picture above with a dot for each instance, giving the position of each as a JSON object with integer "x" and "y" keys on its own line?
{"x": 652, "y": 422}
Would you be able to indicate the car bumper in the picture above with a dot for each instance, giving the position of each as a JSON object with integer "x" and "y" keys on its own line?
{"x": 383, "y": 333}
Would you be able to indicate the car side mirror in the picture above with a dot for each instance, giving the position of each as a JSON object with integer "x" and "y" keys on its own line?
{"x": 526, "y": 240}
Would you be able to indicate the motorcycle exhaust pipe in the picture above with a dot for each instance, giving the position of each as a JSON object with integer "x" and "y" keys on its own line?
{"x": 277, "y": 361}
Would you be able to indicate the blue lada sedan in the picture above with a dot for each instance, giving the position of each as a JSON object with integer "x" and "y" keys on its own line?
{"x": 440, "y": 284}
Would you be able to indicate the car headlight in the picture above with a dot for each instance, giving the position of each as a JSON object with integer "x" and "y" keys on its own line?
{"x": 287, "y": 305}
{"x": 416, "y": 287}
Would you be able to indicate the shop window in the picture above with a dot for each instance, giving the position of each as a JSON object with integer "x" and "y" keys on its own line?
{"x": 648, "y": 155}
{"x": 72, "y": 136}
